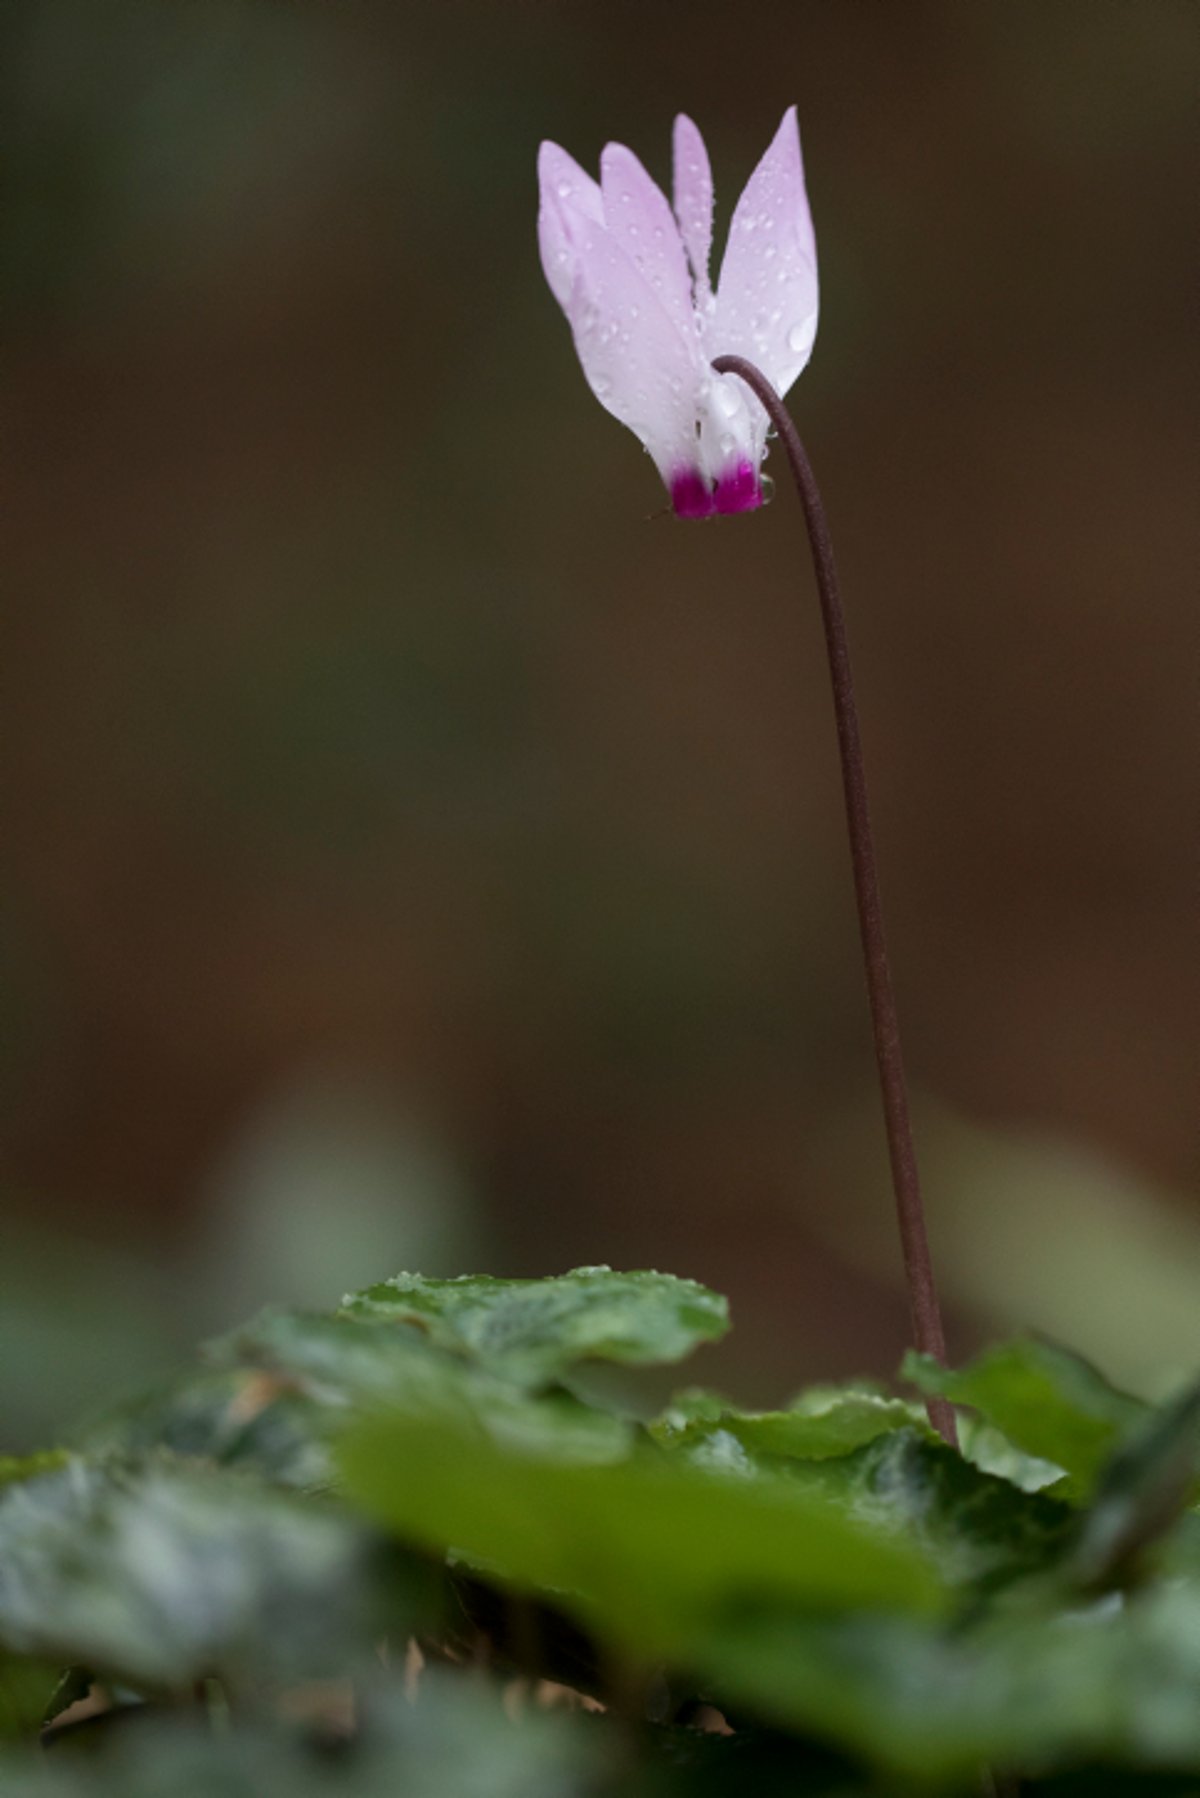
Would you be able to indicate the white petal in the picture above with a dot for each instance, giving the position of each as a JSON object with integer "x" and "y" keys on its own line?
{"x": 767, "y": 293}
{"x": 560, "y": 179}
{"x": 693, "y": 190}
{"x": 732, "y": 441}
{"x": 637, "y": 215}
{"x": 637, "y": 361}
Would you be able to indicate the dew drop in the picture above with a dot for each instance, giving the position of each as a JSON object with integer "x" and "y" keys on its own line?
{"x": 634, "y": 311}
{"x": 727, "y": 400}
{"x": 727, "y": 441}
{"x": 601, "y": 385}
{"x": 564, "y": 190}
{"x": 797, "y": 337}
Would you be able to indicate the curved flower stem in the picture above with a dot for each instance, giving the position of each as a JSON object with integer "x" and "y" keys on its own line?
{"x": 914, "y": 1242}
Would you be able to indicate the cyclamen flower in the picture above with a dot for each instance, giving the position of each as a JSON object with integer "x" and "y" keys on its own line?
{"x": 632, "y": 278}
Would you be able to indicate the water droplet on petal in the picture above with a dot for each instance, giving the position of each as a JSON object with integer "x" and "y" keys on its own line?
{"x": 797, "y": 338}
{"x": 727, "y": 400}
{"x": 727, "y": 441}
{"x": 634, "y": 311}
{"x": 564, "y": 190}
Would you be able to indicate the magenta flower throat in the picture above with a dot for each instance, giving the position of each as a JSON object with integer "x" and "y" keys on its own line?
{"x": 633, "y": 279}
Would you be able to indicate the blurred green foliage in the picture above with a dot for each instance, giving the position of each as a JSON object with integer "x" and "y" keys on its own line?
{"x": 234, "y": 1570}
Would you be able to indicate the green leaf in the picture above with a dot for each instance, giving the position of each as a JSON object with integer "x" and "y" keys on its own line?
{"x": 645, "y": 1551}
{"x": 533, "y": 1331}
{"x": 26, "y": 1690}
{"x": 25, "y": 1467}
{"x": 982, "y": 1531}
{"x": 231, "y": 1416}
{"x": 1142, "y": 1491}
{"x": 343, "y": 1362}
{"x": 1049, "y": 1402}
{"x": 456, "y": 1742}
{"x": 824, "y": 1422}
{"x": 163, "y": 1574}
{"x": 1110, "y": 1683}
{"x": 279, "y": 1392}
{"x": 990, "y": 1450}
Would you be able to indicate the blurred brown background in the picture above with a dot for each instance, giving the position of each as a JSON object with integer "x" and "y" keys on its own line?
{"x": 418, "y": 853}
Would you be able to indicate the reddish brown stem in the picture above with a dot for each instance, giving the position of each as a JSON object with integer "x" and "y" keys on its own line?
{"x": 910, "y": 1211}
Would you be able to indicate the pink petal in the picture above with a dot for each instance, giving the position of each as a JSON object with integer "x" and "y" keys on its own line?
{"x": 691, "y": 494}
{"x": 637, "y": 215}
{"x": 739, "y": 488}
{"x": 767, "y": 293}
{"x": 561, "y": 179}
{"x": 637, "y": 361}
{"x": 694, "y": 200}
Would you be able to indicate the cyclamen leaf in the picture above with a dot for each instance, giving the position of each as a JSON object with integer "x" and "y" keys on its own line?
{"x": 982, "y": 1531}
{"x": 233, "y": 1417}
{"x": 26, "y": 1467}
{"x": 825, "y": 1422}
{"x": 26, "y": 1690}
{"x": 645, "y": 1551}
{"x": 533, "y": 1331}
{"x": 283, "y": 1388}
{"x": 1113, "y": 1683}
{"x": 1142, "y": 1491}
{"x": 163, "y": 1574}
{"x": 457, "y": 1742}
{"x": 341, "y": 1363}
{"x": 1049, "y": 1402}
